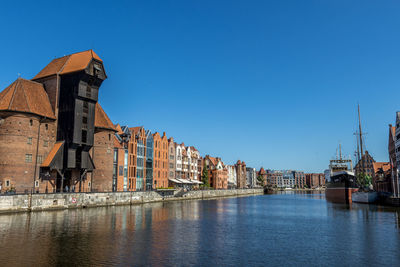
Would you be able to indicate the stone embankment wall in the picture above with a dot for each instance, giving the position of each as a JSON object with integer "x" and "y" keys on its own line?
{"x": 37, "y": 202}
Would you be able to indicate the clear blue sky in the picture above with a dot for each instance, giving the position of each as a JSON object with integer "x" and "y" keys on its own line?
{"x": 274, "y": 83}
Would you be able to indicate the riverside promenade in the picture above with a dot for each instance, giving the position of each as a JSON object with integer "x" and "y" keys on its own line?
{"x": 41, "y": 202}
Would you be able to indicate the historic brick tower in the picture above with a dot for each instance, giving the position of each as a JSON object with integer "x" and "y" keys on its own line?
{"x": 72, "y": 84}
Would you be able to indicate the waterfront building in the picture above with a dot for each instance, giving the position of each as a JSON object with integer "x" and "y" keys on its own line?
{"x": 314, "y": 180}
{"x": 241, "y": 174}
{"x": 171, "y": 158}
{"x": 149, "y": 160}
{"x": 122, "y": 166}
{"x": 137, "y": 159}
{"x": 161, "y": 167}
{"x": 327, "y": 173}
{"x": 232, "y": 179}
{"x": 193, "y": 156}
{"x": 288, "y": 180}
{"x": 365, "y": 165}
{"x": 275, "y": 178}
{"x": 263, "y": 174}
{"x": 299, "y": 179}
{"x": 218, "y": 173}
{"x": 381, "y": 178}
{"x": 102, "y": 152}
{"x": 53, "y": 132}
{"x": 393, "y": 146}
{"x": 180, "y": 150}
{"x": 251, "y": 177}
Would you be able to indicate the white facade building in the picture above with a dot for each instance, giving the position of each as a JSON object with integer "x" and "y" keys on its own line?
{"x": 232, "y": 177}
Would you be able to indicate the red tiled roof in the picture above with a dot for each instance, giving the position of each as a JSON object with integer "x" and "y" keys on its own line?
{"x": 135, "y": 130}
{"x": 385, "y": 166}
{"x": 26, "y": 96}
{"x": 67, "y": 64}
{"x": 101, "y": 119}
{"x": 213, "y": 160}
{"x": 51, "y": 155}
{"x": 119, "y": 129}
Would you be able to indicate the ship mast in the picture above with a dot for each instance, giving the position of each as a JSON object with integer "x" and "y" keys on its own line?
{"x": 360, "y": 140}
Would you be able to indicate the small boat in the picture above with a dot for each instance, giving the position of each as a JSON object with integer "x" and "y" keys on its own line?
{"x": 365, "y": 197}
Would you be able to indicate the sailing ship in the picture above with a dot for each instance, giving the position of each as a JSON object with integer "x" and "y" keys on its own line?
{"x": 365, "y": 194}
{"x": 343, "y": 180}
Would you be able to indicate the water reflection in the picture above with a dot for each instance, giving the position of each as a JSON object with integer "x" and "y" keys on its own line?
{"x": 252, "y": 231}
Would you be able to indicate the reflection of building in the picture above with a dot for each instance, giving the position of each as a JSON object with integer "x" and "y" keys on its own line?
{"x": 365, "y": 165}
{"x": 54, "y": 135}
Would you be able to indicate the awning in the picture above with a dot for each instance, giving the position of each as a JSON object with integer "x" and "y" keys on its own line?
{"x": 185, "y": 181}
{"x": 55, "y": 157}
{"x": 175, "y": 181}
{"x": 196, "y": 182}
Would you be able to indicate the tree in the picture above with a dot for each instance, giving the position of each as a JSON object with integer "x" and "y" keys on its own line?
{"x": 260, "y": 180}
{"x": 363, "y": 180}
{"x": 204, "y": 176}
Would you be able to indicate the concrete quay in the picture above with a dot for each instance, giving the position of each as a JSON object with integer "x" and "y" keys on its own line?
{"x": 42, "y": 202}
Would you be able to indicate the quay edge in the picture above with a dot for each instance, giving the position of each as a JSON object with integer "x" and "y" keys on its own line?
{"x": 43, "y": 202}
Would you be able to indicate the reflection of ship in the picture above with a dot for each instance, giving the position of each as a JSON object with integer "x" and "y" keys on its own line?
{"x": 343, "y": 182}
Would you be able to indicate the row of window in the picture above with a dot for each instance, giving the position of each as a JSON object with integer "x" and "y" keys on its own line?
{"x": 28, "y": 158}
{"x": 29, "y": 142}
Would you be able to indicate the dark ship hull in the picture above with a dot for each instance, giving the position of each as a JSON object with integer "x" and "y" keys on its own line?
{"x": 342, "y": 186}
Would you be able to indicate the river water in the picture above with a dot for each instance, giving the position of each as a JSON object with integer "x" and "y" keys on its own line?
{"x": 290, "y": 228}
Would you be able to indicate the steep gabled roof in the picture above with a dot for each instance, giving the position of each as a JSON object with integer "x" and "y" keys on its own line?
{"x": 68, "y": 64}
{"x": 101, "y": 120}
{"x": 385, "y": 166}
{"x": 28, "y": 97}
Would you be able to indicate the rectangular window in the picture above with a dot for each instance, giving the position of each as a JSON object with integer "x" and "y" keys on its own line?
{"x": 45, "y": 143}
{"x": 85, "y": 107}
{"x": 7, "y": 183}
{"x": 84, "y": 136}
{"x": 84, "y": 122}
{"x": 39, "y": 159}
{"x": 29, "y": 142}
{"x": 28, "y": 158}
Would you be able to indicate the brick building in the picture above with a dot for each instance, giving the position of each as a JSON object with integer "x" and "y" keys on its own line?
{"x": 217, "y": 172}
{"x": 52, "y": 120}
{"x": 314, "y": 180}
{"x": 241, "y": 174}
{"x": 299, "y": 179}
{"x": 263, "y": 174}
{"x": 365, "y": 165}
{"x": 381, "y": 178}
{"x": 161, "y": 167}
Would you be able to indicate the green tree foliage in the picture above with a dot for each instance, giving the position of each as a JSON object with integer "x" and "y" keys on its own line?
{"x": 363, "y": 180}
{"x": 260, "y": 180}
{"x": 204, "y": 177}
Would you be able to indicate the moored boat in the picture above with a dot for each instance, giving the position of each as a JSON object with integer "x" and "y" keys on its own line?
{"x": 341, "y": 187}
{"x": 365, "y": 197}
